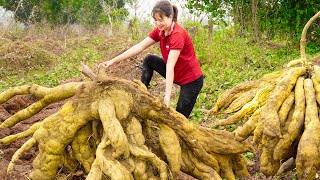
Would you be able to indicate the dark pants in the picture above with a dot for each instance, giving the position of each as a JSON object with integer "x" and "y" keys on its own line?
{"x": 188, "y": 92}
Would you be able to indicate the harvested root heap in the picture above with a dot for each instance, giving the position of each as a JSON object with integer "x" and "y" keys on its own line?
{"x": 106, "y": 127}
{"x": 280, "y": 110}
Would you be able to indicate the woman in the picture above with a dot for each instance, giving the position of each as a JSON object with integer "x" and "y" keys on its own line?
{"x": 179, "y": 63}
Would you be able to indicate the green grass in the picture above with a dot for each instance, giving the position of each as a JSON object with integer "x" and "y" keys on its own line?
{"x": 65, "y": 67}
{"x": 227, "y": 60}
{"x": 249, "y": 155}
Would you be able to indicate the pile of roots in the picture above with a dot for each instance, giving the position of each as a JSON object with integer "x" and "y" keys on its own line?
{"x": 105, "y": 129}
{"x": 281, "y": 111}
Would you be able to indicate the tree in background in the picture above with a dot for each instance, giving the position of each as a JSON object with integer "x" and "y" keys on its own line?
{"x": 268, "y": 17}
{"x": 22, "y": 9}
{"x": 217, "y": 10}
{"x": 59, "y": 12}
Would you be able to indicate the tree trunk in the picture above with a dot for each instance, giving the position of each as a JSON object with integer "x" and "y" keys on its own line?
{"x": 254, "y": 8}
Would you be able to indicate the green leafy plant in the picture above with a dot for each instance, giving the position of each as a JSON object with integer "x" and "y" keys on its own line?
{"x": 249, "y": 155}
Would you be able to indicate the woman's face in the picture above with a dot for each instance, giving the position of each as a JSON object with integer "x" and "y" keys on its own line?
{"x": 163, "y": 23}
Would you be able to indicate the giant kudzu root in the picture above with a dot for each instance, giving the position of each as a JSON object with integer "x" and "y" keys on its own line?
{"x": 101, "y": 127}
{"x": 287, "y": 112}
{"x": 283, "y": 120}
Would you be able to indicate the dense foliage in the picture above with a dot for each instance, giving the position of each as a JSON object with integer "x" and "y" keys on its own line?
{"x": 57, "y": 12}
{"x": 268, "y": 19}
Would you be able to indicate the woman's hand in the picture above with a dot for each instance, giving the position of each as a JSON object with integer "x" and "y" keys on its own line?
{"x": 106, "y": 64}
{"x": 167, "y": 100}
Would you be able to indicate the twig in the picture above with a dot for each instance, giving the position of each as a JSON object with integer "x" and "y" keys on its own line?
{"x": 87, "y": 72}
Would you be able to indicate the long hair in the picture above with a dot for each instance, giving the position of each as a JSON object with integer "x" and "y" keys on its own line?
{"x": 165, "y": 8}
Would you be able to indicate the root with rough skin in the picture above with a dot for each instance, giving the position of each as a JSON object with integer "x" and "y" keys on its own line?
{"x": 102, "y": 125}
{"x": 288, "y": 125}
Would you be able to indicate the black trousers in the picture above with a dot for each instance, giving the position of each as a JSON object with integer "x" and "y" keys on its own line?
{"x": 188, "y": 92}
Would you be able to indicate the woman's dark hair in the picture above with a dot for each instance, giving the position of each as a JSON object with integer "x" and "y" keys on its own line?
{"x": 164, "y": 8}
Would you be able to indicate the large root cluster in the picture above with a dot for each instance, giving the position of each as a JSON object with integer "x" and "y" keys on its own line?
{"x": 106, "y": 127}
{"x": 280, "y": 110}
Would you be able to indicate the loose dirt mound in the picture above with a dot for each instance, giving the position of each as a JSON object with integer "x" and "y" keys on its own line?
{"x": 23, "y": 56}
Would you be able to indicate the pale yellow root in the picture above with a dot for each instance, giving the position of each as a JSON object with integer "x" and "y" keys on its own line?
{"x": 269, "y": 113}
{"x": 95, "y": 172}
{"x": 225, "y": 163}
{"x": 316, "y": 82}
{"x": 257, "y": 134}
{"x": 226, "y": 98}
{"x": 34, "y": 89}
{"x": 48, "y": 95}
{"x": 106, "y": 164}
{"x": 135, "y": 136}
{"x": 113, "y": 129}
{"x": 56, "y": 132}
{"x": 272, "y": 78}
{"x": 239, "y": 166}
{"x": 134, "y": 132}
{"x": 284, "y": 146}
{"x": 270, "y": 119}
{"x": 169, "y": 142}
{"x": 285, "y": 108}
{"x": 296, "y": 62}
{"x": 268, "y": 165}
{"x": 308, "y": 157}
{"x": 288, "y": 121}
{"x": 316, "y": 85}
{"x": 311, "y": 103}
{"x": 140, "y": 170}
{"x": 192, "y": 165}
{"x": 145, "y": 154}
{"x": 29, "y": 132}
{"x": 197, "y": 140}
{"x": 248, "y": 109}
{"x": 244, "y": 131}
{"x": 82, "y": 149}
{"x": 119, "y": 155}
{"x": 240, "y": 101}
{"x": 230, "y": 95}
{"x": 295, "y": 126}
{"x": 25, "y": 147}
